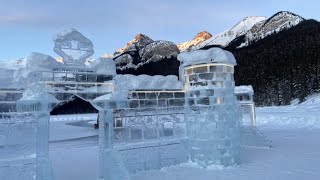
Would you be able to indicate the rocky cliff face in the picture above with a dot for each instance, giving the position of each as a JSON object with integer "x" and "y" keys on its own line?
{"x": 143, "y": 50}
{"x": 137, "y": 43}
{"x": 199, "y": 38}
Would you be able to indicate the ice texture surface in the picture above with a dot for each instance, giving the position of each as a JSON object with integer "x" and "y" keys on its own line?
{"x": 114, "y": 166}
{"x": 212, "y": 113}
{"x": 103, "y": 66}
{"x": 7, "y": 79}
{"x": 132, "y": 82}
{"x": 39, "y": 61}
{"x": 73, "y": 47}
{"x": 212, "y": 55}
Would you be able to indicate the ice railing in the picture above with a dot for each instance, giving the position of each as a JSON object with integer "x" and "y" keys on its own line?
{"x": 145, "y": 133}
{"x": 148, "y": 124}
{"x": 247, "y": 107}
{"x": 17, "y": 145}
{"x": 24, "y": 141}
{"x": 64, "y": 82}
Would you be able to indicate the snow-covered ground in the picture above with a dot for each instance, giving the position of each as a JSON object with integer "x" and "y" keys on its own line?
{"x": 295, "y": 154}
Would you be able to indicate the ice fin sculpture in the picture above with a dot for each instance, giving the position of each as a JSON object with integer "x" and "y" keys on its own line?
{"x": 73, "y": 47}
{"x": 211, "y": 111}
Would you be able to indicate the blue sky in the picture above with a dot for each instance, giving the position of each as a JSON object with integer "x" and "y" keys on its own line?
{"x": 29, "y": 25}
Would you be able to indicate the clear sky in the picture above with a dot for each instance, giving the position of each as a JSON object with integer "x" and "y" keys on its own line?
{"x": 29, "y": 25}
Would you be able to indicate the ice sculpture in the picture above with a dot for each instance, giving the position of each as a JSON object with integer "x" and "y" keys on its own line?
{"x": 212, "y": 113}
{"x": 25, "y": 134}
{"x": 17, "y": 144}
{"x": 36, "y": 100}
{"x": 73, "y": 47}
{"x": 111, "y": 165}
{"x": 244, "y": 96}
{"x": 250, "y": 135}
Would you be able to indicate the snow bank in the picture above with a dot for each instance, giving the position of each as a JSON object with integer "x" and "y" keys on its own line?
{"x": 157, "y": 82}
{"x": 213, "y": 55}
{"x": 303, "y": 115}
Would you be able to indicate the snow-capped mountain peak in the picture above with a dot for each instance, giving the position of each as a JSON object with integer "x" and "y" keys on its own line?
{"x": 200, "y": 37}
{"x": 225, "y": 37}
{"x": 139, "y": 40}
{"x": 278, "y": 22}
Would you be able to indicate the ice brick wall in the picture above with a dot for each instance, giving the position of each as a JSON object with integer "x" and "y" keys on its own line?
{"x": 210, "y": 76}
{"x": 212, "y": 113}
{"x": 145, "y": 99}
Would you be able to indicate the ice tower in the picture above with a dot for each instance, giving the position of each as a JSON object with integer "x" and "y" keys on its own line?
{"x": 211, "y": 110}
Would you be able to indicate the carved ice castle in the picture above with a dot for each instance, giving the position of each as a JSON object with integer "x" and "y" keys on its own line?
{"x": 151, "y": 121}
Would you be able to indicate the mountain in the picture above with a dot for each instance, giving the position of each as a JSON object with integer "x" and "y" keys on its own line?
{"x": 156, "y": 56}
{"x": 199, "y": 38}
{"x": 139, "y": 41}
{"x": 278, "y": 22}
{"x": 225, "y": 37}
{"x": 282, "y": 66}
{"x": 278, "y": 56}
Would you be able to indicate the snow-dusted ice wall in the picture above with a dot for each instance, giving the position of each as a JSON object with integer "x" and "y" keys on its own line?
{"x": 211, "y": 111}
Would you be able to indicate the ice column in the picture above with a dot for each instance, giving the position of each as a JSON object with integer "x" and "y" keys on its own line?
{"x": 211, "y": 110}
{"x": 111, "y": 166}
{"x": 37, "y": 101}
{"x": 42, "y": 115}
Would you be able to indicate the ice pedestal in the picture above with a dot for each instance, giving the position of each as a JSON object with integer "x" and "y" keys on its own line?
{"x": 111, "y": 166}
{"x": 40, "y": 106}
